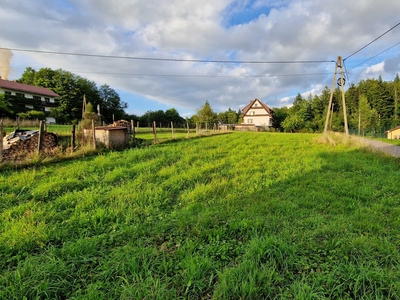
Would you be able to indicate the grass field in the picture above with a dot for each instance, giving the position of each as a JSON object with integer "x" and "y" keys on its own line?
{"x": 236, "y": 216}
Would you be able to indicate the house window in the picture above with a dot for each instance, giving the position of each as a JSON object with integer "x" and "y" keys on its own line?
{"x": 19, "y": 95}
{"x": 47, "y": 100}
{"x": 255, "y": 104}
{"x": 250, "y": 121}
{"x": 252, "y": 113}
{"x": 37, "y": 98}
{"x": 7, "y": 93}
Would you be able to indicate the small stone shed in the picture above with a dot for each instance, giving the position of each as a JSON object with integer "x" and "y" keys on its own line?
{"x": 112, "y": 137}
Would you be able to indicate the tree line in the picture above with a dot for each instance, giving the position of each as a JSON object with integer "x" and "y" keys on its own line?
{"x": 371, "y": 105}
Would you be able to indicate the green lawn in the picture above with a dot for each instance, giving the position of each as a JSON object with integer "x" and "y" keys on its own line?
{"x": 236, "y": 216}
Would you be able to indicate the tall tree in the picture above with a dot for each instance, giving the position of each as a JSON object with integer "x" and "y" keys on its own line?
{"x": 206, "y": 115}
{"x": 111, "y": 106}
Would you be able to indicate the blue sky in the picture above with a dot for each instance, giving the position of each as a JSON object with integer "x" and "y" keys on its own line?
{"x": 243, "y": 30}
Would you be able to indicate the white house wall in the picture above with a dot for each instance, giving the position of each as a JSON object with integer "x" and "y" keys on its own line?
{"x": 257, "y": 115}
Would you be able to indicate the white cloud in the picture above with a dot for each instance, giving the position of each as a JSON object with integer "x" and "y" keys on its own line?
{"x": 284, "y": 30}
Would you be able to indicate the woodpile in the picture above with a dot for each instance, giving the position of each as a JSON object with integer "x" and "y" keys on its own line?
{"x": 121, "y": 123}
{"x": 17, "y": 148}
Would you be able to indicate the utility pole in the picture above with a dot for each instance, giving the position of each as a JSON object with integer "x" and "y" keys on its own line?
{"x": 341, "y": 82}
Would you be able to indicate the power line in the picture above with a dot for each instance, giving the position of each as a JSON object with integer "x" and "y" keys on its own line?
{"x": 372, "y": 41}
{"x": 173, "y": 59}
{"x": 375, "y": 55}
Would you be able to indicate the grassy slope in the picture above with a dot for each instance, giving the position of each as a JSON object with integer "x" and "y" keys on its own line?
{"x": 245, "y": 215}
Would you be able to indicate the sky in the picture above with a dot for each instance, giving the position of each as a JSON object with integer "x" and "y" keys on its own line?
{"x": 226, "y": 52}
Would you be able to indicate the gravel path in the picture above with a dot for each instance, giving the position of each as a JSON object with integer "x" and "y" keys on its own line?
{"x": 389, "y": 149}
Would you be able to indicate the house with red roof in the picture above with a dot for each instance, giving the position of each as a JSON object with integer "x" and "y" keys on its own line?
{"x": 30, "y": 97}
{"x": 256, "y": 116}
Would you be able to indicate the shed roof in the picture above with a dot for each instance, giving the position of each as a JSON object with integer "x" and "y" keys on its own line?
{"x": 393, "y": 129}
{"x": 22, "y": 87}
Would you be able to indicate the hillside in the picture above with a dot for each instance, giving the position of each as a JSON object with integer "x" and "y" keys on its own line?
{"x": 237, "y": 216}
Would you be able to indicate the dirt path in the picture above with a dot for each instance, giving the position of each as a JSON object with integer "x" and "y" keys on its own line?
{"x": 389, "y": 149}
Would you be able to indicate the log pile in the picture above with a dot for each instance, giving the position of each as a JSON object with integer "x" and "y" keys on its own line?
{"x": 17, "y": 148}
{"x": 121, "y": 123}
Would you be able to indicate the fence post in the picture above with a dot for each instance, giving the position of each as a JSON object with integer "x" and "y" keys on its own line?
{"x": 1, "y": 141}
{"x": 155, "y": 132}
{"x": 172, "y": 130}
{"x": 93, "y": 135}
{"x": 73, "y": 139}
{"x": 40, "y": 138}
{"x": 133, "y": 132}
{"x": 188, "y": 130}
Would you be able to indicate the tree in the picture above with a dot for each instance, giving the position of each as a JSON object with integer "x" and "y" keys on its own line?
{"x": 368, "y": 118}
{"x": 293, "y": 123}
{"x": 5, "y": 107}
{"x": 206, "y": 115}
{"x": 71, "y": 89}
{"x": 111, "y": 106}
{"x": 88, "y": 116}
{"x": 279, "y": 115}
{"x": 172, "y": 115}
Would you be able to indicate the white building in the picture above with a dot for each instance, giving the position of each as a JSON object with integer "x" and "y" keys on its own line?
{"x": 257, "y": 114}
{"x": 28, "y": 94}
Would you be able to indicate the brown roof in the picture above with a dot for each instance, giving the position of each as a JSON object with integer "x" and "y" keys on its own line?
{"x": 21, "y": 87}
{"x": 248, "y": 106}
{"x": 393, "y": 129}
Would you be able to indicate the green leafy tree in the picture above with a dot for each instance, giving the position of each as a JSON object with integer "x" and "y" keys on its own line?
{"x": 111, "y": 106}
{"x": 5, "y": 107}
{"x": 71, "y": 89}
{"x": 206, "y": 115}
{"x": 89, "y": 116}
{"x": 279, "y": 115}
{"x": 172, "y": 115}
{"x": 367, "y": 117}
{"x": 293, "y": 123}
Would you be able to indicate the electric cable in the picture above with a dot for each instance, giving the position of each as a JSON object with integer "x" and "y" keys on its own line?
{"x": 372, "y": 41}
{"x": 172, "y": 59}
{"x": 375, "y": 56}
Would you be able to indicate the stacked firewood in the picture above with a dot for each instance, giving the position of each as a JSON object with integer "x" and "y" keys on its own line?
{"x": 121, "y": 123}
{"x": 20, "y": 148}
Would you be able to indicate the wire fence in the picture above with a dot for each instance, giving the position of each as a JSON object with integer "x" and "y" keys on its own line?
{"x": 374, "y": 133}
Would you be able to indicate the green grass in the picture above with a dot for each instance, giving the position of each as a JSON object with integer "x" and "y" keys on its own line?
{"x": 238, "y": 216}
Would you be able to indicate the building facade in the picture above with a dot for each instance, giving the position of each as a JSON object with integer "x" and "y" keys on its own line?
{"x": 393, "y": 134}
{"x": 25, "y": 97}
{"x": 257, "y": 114}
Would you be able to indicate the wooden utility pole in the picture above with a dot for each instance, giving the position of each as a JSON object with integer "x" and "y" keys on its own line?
{"x": 341, "y": 83}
